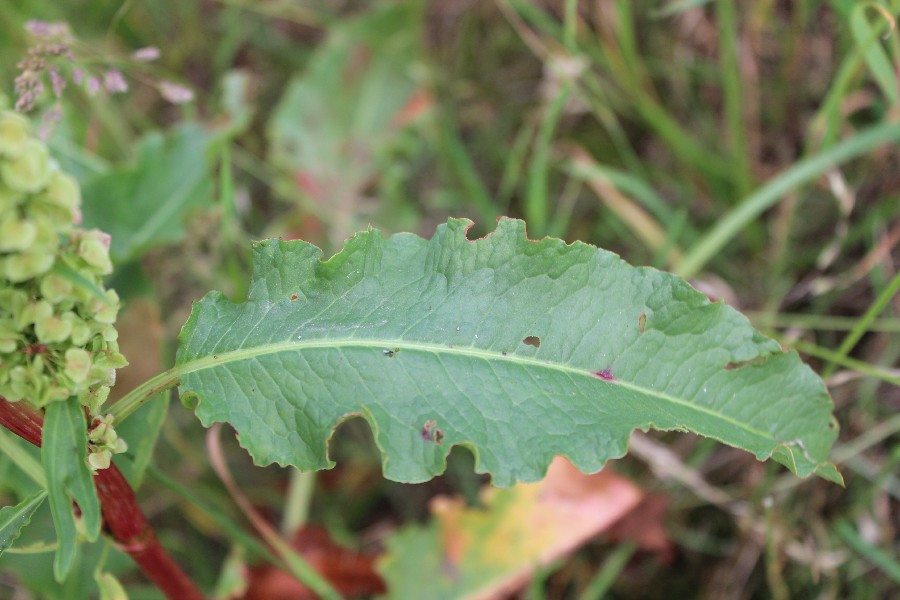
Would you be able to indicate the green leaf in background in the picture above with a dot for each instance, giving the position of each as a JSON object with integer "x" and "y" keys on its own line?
{"x": 63, "y": 454}
{"x": 336, "y": 117}
{"x": 144, "y": 205}
{"x": 516, "y": 349}
{"x": 14, "y": 518}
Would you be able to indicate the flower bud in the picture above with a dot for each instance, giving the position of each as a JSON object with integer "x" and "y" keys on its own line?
{"x": 15, "y": 233}
{"x": 81, "y": 331}
{"x": 14, "y": 129}
{"x": 13, "y": 301}
{"x": 9, "y": 199}
{"x": 93, "y": 248}
{"x": 26, "y": 265}
{"x": 9, "y": 336}
{"x": 78, "y": 364}
{"x": 30, "y": 170}
{"x": 106, "y": 311}
{"x": 53, "y": 329}
{"x": 32, "y": 312}
{"x": 55, "y": 288}
{"x": 63, "y": 191}
{"x": 99, "y": 458}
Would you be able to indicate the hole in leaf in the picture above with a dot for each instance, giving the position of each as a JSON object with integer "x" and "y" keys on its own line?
{"x": 532, "y": 340}
{"x": 431, "y": 433}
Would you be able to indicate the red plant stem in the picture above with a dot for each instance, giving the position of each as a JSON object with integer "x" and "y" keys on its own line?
{"x": 122, "y": 516}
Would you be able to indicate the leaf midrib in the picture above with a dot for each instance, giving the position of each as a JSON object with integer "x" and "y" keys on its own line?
{"x": 216, "y": 360}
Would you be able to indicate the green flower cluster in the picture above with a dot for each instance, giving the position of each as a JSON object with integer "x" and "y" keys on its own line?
{"x": 57, "y": 337}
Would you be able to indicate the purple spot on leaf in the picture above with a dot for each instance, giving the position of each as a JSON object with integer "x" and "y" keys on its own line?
{"x": 605, "y": 374}
{"x": 431, "y": 433}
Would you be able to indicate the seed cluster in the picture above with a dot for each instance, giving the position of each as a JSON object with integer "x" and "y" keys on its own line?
{"x": 57, "y": 337}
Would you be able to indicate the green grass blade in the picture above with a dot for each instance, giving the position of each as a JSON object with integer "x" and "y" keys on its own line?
{"x": 878, "y": 557}
{"x": 733, "y": 94}
{"x": 537, "y": 200}
{"x": 771, "y": 192}
{"x": 865, "y": 322}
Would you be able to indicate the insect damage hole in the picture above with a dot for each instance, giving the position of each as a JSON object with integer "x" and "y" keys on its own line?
{"x": 532, "y": 340}
{"x": 431, "y": 433}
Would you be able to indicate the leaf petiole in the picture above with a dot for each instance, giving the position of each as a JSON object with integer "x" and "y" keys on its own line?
{"x": 136, "y": 398}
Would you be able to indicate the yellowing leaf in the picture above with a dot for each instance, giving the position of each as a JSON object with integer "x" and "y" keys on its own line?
{"x": 488, "y": 551}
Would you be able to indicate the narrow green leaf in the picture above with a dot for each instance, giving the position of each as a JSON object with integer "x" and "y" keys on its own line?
{"x": 63, "y": 452}
{"x": 868, "y": 40}
{"x": 13, "y": 519}
{"x": 517, "y": 349}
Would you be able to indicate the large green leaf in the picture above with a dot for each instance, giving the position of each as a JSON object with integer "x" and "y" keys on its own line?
{"x": 516, "y": 349}
{"x": 144, "y": 205}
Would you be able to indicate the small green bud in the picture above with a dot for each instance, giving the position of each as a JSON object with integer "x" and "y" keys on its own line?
{"x": 99, "y": 458}
{"x": 93, "y": 248}
{"x": 30, "y": 170}
{"x": 101, "y": 430}
{"x": 106, "y": 311}
{"x": 9, "y": 199}
{"x": 109, "y": 333}
{"x": 94, "y": 398}
{"x": 53, "y": 329}
{"x": 110, "y": 360}
{"x": 63, "y": 191}
{"x": 32, "y": 312}
{"x": 55, "y": 288}
{"x": 20, "y": 386}
{"x": 104, "y": 442}
{"x": 15, "y": 233}
{"x": 102, "y": 375}
{"x": 47, "y": 235}
{"x": 81, "y": 331}
{"x": 9, "y": 336}
{"x": 56, "y": 219}
{"x": 78, "y": 364}
{"x": 14, "y": 130}
{"x": 12, "y": 300}
{"x": 27, "y": 265}
{"x": 110, "y": 587}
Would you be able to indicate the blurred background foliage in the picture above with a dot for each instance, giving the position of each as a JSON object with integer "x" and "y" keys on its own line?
{"x": 752, "y": 146}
